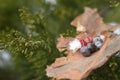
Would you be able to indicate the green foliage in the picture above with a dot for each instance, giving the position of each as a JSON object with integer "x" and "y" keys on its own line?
{"x": 110, "y": 71}
{"x": 31, "y": 52}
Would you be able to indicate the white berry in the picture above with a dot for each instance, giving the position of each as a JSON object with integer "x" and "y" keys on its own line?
{"x": 75, "y": 45}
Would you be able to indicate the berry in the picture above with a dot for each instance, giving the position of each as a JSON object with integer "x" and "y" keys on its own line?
{"x": 88, "y": 39}
{"x": 85, "y": 51}
{"x": 92, "y": 47}
{"x": 97, "y": 39}
{"x": 75, "y": 45}
{"x": 98, "y": 44}
{"x": 83, "y": 42}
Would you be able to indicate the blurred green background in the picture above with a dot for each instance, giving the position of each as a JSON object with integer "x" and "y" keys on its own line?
{"x": 29, "y": 30}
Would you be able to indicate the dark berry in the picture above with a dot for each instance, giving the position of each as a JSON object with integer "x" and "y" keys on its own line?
{"x": 85, "y": 51}
{"x": 92, "y": 47}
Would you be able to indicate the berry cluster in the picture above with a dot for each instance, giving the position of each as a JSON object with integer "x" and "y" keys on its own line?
{"x": 87, "y": 46}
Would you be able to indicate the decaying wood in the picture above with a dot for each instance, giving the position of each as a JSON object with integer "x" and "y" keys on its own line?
{"x": 63, "y": 43}
{"x": 78, "y": 67}
{"x": 75, "y": 66}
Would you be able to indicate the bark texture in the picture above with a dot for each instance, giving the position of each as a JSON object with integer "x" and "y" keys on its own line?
{"x": 75, "y": 66}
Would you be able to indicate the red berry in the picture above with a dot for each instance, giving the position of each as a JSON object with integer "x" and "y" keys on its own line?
{"x": 88, "y": 39}
{"x": 83, "y": 42}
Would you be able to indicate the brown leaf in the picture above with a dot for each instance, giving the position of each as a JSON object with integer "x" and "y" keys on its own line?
{"x": 78, "y": 67}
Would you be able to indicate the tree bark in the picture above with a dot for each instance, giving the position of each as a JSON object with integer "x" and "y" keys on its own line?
{"x": 77, "y": 67}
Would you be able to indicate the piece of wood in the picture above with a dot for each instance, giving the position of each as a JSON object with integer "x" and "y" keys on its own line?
{"x": 75, "y": 66}
{"x": 78, "y": 67}
{"x": 92, "y": 21}
{"x": 62, "y": 43}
